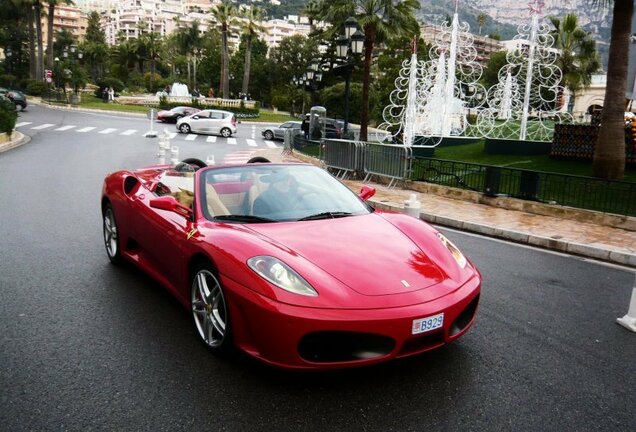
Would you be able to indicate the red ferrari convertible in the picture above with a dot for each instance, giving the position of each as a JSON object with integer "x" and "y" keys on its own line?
{"x": 285, "y": 263}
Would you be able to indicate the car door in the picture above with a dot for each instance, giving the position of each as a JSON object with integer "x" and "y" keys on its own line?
{"x": 279, "y": 132}
{"x": 201, "y": 122}
{"x": 216, "y": 121}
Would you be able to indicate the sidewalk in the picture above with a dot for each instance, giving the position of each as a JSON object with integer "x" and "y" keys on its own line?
{"x": 568, "y": 233}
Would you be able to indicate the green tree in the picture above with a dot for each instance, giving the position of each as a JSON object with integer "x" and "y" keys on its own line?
{"x": 253, "y": 16}
{"x": 225, "y": 14}
{"x": 481, "y": 20}
{"x": 95, "y": 49}
{"x": 381, "y": 20}
{"x": 578, "y": 57}
{"x": 609, "y": 157}
{"x": 490, "y": 75}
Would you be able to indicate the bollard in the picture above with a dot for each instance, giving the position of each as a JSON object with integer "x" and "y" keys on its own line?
{"x": 629, "y": 320}
{"x": 161, "y": 156}
{"x": 412, "y": 206}
{"x": 174, "y": 155}
{"x": 210, "y": 160}
{"x": 151, "y": 133}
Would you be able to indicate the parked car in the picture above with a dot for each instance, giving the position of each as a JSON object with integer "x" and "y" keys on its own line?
{"x": 209, "y": 122}
{"x": 278, "y": 132}
{"x": 287, "y": 264}
{"x": 174, "y": 114}
{"x": 17, "y": 97}
{"x": 334, "y": 128}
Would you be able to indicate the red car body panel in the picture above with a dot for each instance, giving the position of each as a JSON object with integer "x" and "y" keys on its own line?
{"x": 374, "y": 273}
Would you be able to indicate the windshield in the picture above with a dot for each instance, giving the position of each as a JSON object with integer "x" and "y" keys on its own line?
{"x": 275, "y": 193}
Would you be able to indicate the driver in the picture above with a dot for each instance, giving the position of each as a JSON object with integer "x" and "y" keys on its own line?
{"x": 282, "y": 195}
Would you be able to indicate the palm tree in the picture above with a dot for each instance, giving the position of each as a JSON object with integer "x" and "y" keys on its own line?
{"x": 49, "y": 34}
{"x": 609, "y": 156}
{"x": 224, "y": 14}
{"x": 578, "y": 59}
{"x": 251, "y": 26}
{"x": 190, "y": 44}
{"x": 381, "y": 20}
{"x": 481, "y": 20}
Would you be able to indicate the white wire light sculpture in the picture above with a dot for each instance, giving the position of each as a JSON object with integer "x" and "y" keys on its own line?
{"x": 446, "y": 87}
{"x": 524, "y": 104}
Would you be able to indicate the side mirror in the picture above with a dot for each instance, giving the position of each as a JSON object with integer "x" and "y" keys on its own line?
{"x": 170, "y": 203}
{"x": 366, "y": 192}
{"x": 196, "y": 117}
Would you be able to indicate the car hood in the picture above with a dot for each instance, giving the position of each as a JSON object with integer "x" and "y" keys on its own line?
{"x": 366, "y": 253}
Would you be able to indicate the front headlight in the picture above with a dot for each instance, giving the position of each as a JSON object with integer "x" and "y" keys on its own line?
{"x": 280, "y": 274}
{"x": 455, "y": 252}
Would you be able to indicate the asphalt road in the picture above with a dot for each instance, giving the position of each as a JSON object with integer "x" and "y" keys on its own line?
{"x": 89, "y": 346}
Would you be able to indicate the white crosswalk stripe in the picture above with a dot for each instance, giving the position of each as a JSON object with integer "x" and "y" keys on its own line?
{"x": 22, "y": 124}
{"x": 238, "y": 157}
{"x": 43, "y": 126}
{"x": 86, "y": 129}
{"x": 270, "y": 144}
{"x": 231, "y": 141}
{"x": 211, "y": 139}
{"x": 191, "y": 137}
{"x": 107, "y": 131}
{"x": 171, "y": 135}
{"x": 128, "y": 132}
{"x": 251, "y": 143}
{"x": 65, "y": 128}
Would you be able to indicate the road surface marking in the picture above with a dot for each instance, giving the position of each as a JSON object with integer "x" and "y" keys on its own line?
{"x": 107, "y": 131}
{"x": 231, "y": 141}
{"x": 191, "y": 137}
{"x": 64, "y": 128}
{"x": 251, "y": 143}
{"x": 211, "y": 139}
{"x": 23, "y": 124}
{"x": 171, "y": 135}
{"x": 270, "y": 144}
{"x": 43, "y": 126}
{"x": 86, "y": 129}
{"x": 128, "y": 132}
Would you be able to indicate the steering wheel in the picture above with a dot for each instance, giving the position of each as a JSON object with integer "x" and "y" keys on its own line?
{"x": 196, "y": 163}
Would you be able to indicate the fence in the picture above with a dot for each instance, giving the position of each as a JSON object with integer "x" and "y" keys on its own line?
{"x": 590, "y": 193}
{"x": 392, "y": 161}
{"x": 346, "y": 157}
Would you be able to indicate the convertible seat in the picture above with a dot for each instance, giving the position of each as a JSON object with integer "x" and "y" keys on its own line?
{"x": 215, "y": 205}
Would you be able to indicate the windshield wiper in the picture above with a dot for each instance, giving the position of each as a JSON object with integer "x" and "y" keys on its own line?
{"x": 242, "y": 218}
{"x": 325, "y": 215}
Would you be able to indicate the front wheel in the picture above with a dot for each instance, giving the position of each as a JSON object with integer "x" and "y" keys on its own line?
{"x": 226, "y": 132}
{"x": 111, "y": 235}
{"x": 184, "y": 128}
{"x": 210, "y": 311}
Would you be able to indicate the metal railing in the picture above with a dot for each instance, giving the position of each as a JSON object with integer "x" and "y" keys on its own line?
{"x": 609, "y": 196}
{"x": 385, "y": 160}
{"x": 345, "y": 157}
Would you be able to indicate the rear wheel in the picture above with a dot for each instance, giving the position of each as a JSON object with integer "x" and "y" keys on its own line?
{"x": 226, "y": 132}
{"x": 269, "y": 135}
{"x": 111, "y": 235}
{"x": 184, "y": 128}
{"x": 209, "y": 310}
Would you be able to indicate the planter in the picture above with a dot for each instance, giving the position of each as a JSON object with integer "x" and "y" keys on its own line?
{"x": 4, "y": 137}
{"x": 75, "y": 98}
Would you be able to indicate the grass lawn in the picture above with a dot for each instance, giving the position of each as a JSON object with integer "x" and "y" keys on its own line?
{"x": 90, "y": 101}
{"x": 474, "y": 153}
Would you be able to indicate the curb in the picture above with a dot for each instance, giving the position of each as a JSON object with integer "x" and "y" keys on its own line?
{"x": 585, "y": 250}
{"x": 19, "y": 140}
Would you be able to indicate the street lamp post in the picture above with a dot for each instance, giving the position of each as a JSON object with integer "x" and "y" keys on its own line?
{"x": 352, "y": 43}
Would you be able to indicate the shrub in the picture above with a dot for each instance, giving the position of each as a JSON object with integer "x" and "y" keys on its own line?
{"x": 36, "y": 88}
{"x": 7, "y": 80}
{"x": 153, "y": 82}
{"x": 8, "y": 116}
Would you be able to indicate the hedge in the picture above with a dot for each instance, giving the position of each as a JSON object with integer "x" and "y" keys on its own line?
{"x": 8, "y": 116}
{"x": 240, "y": 112}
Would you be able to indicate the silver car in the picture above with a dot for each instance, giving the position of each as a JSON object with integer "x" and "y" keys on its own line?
{"x": 209, "y": 122}
{"x": 278, "y": 132}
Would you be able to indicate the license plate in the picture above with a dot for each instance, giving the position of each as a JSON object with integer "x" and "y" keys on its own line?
{"x": 423, "y": 325}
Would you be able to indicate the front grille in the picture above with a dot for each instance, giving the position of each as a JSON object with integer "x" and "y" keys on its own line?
{"x": 334, "y": 346}
{"x": 422, "y": 343}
